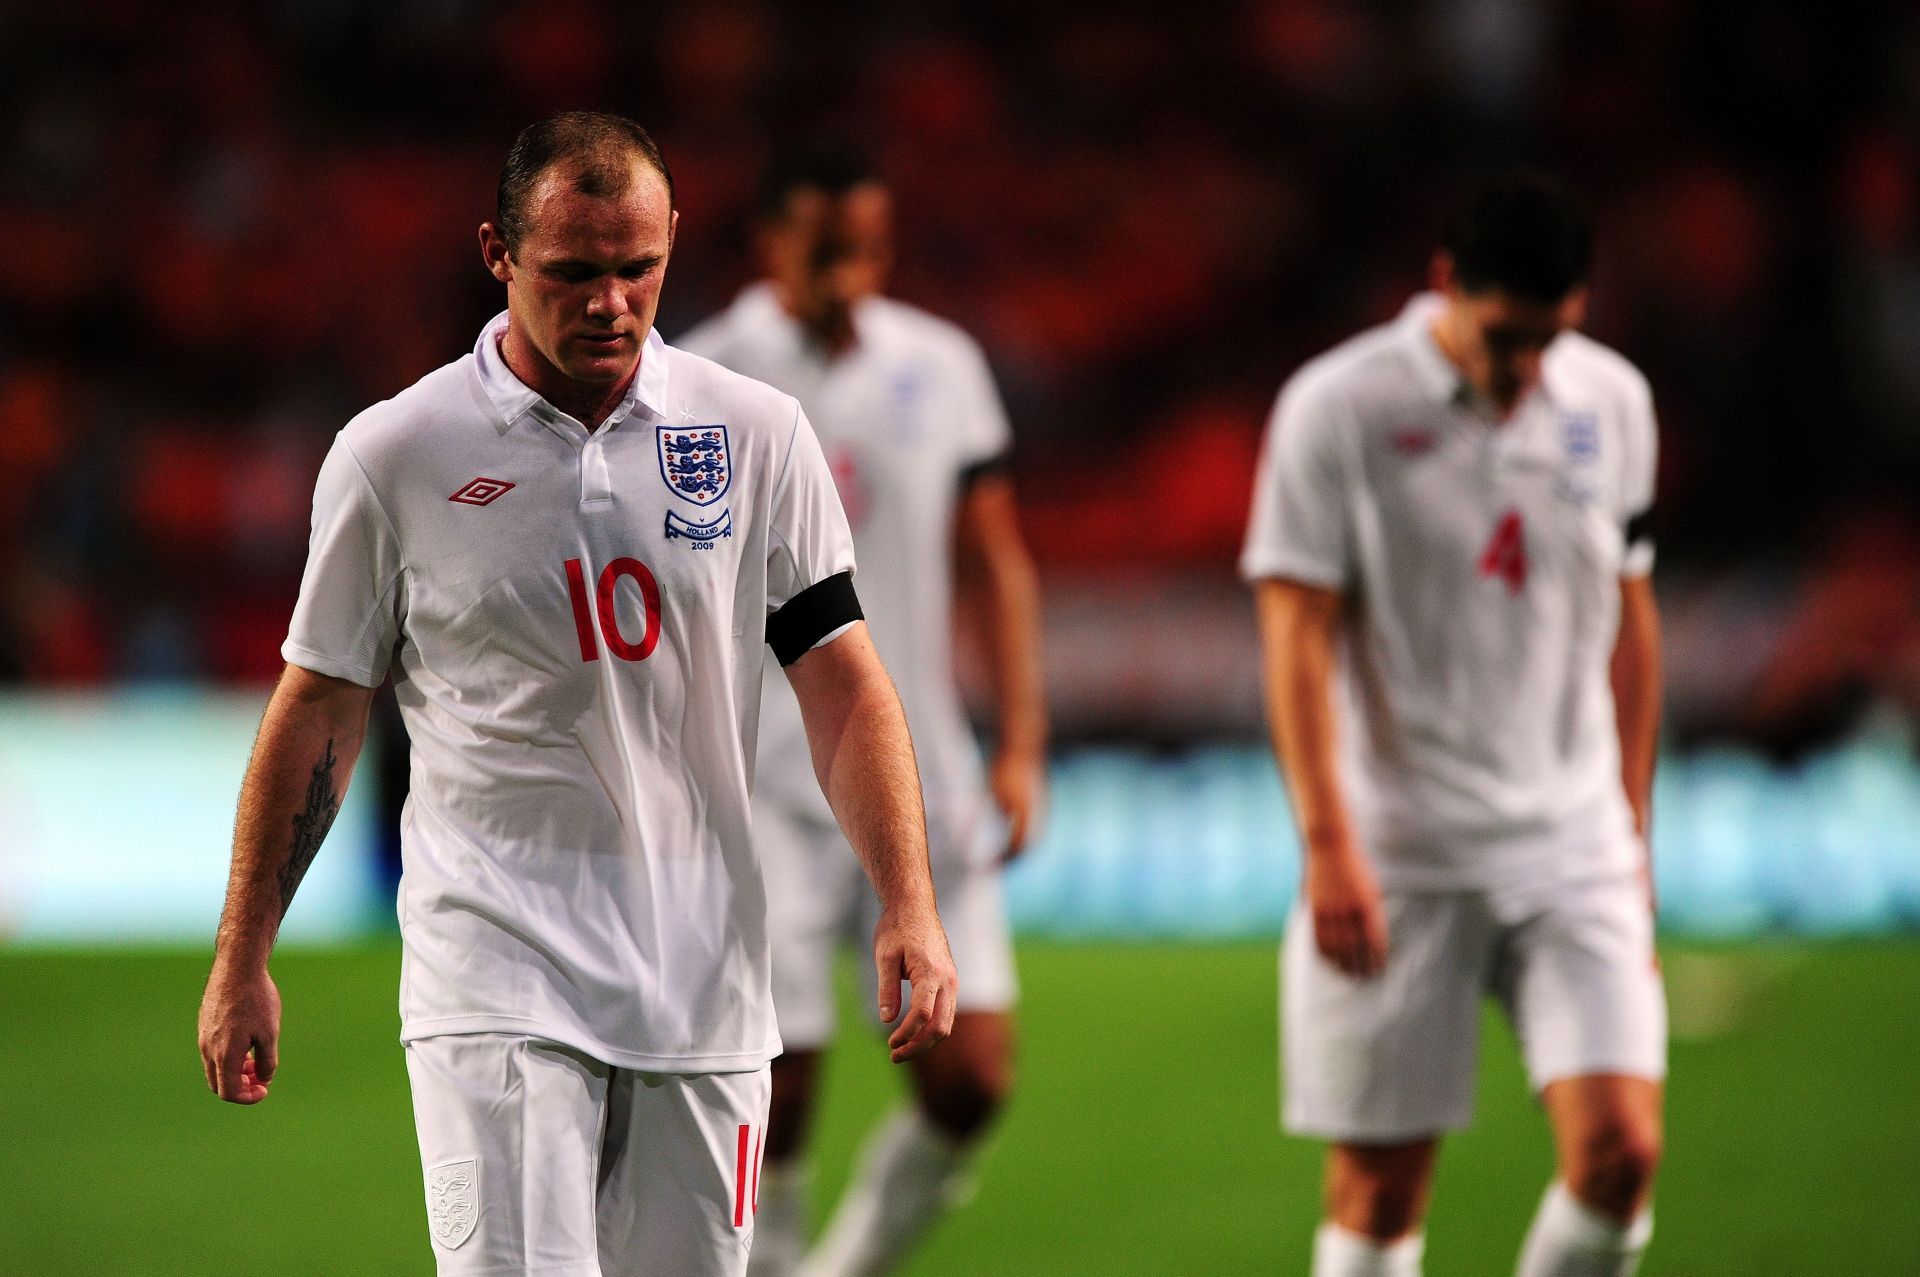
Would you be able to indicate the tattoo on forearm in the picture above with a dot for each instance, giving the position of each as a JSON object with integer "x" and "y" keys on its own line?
{"x": 310, "y": 825}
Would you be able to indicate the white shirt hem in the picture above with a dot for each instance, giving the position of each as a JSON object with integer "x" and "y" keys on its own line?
{"x": 1269, "y": 566}
{"x": 308, "y": 659}
{"x": 456, "y": 1025}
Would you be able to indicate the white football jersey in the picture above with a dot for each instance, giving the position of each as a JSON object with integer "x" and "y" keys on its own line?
{"x": 905, "y": 417}
{"x": 1482, "y": 565}
{"x": 576, "y": 623}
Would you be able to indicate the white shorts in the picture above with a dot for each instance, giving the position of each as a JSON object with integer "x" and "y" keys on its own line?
{"x": 1394, "y": 1058}
{"x": 818, "y": 897}
{"x": 541, "y": 1160}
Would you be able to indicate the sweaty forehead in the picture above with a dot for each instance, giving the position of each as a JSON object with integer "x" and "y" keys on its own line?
{"x": 564, "y": 221}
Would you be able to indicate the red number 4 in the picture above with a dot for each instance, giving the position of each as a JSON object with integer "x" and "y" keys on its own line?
{"x": 1506, "y": 554}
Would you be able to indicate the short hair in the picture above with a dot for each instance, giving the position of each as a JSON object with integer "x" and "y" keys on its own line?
{"x": 1522, "y": 231}
{"x": 832, "y": 168}
{"x": 600, "y": 145}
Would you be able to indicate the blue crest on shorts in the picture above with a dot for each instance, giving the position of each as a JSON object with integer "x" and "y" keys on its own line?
{"x": 695, "y": 461}
{"x": 1581, "y": 430}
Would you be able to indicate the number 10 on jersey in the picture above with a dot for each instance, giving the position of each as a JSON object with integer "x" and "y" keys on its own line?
{"x": 605, "y": 596}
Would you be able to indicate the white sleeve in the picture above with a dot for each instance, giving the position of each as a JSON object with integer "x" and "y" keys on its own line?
{"x": 1640, "y": 461}
{"x": 985, "y": 435}
{"x": 347, "y": 619}
{"x": 810, "y": 596}
{"x": 1299, "y": 525}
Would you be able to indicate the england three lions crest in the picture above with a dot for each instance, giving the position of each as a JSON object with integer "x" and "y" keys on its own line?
{"x": 696, "y": 462}
{"x": 453, "y": 1201}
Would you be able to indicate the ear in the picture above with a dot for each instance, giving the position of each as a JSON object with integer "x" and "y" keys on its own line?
{"x": 1440, "y": 276}
{"x": 493, "y": 251}
{"x": 673, "y": 228}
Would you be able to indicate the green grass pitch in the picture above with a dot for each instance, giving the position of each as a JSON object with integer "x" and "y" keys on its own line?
{"x": 1143, "y": 1138}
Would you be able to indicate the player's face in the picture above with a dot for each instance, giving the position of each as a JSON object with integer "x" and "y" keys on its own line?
{"x": 1498, "y": 340}
{"x": 583, "y": 284}
{"x": 826, "y": 253}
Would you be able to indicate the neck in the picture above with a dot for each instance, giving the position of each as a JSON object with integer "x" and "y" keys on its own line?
{"x": 834, "y": 331}
{"x": 1504, "y": 405}
{"x": 588, "y": 402}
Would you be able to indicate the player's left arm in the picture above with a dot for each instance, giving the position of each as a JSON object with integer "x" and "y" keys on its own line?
{"x": 863, "y": 757}
{"x": 1636, "y": 698}
{"x": 999, "y": 593}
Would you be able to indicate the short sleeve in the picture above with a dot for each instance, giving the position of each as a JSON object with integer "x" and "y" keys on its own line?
{"x": 347, "y": 619}
{"x": 985, "y": 437}
{"x": 810, "y": 596}
{"x": 1640, "y": 462}
{"x": 1298, "y": 529}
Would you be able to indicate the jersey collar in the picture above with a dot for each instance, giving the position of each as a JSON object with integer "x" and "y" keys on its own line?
{"x": 1434, "y": 371}
{"x": 758, "y": 308}
{"x": 513, "y": 398}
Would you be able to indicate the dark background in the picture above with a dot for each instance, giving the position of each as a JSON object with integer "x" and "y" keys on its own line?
{"x": 228, "y": 227}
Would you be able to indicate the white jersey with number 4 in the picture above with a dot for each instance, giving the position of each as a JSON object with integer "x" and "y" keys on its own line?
{"x": 1481, "y": 562}
{"x": 904, "y": 417}
{"x": 576, "y": 622}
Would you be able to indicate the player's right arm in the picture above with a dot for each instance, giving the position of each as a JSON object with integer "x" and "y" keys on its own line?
{"x": 1299, "y": 631}
{"x": 1299, "y": 560}
{"x": 309, "y": 738}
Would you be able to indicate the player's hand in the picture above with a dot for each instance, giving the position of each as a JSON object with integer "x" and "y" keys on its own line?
{"x": 240, "y": 1034}
{"x": 912, "y": 946}
{"x": 1349, "y": 917}
{"x": 1019, "y": 782}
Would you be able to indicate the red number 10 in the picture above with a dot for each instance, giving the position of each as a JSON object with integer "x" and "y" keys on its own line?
{"x": 609, "y": 618}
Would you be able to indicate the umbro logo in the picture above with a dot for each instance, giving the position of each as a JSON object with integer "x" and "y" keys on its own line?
{"x": 481, "y": 491}
{"x": 1414, "y": 442}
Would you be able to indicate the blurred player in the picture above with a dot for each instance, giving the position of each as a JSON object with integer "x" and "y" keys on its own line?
{"x": 917, "y": 440}
{"x": 572, "y": 548}
{"x": 1451, "y": 513}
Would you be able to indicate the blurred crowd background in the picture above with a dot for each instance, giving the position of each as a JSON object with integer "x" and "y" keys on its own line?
{"x": 227, "y": 227}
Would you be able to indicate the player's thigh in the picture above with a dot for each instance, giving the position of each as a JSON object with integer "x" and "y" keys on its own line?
{"x": 681, "y": 1180}
{"x": 1390, "y": 1058}
{"x": 814, "y": 887}
{"x": 1581, "y": 985}
{"x": 509, "y": 1133}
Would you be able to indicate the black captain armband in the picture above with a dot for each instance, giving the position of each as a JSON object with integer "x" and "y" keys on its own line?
{"x": 811, "y": 615}
{"x": 998, "y": 463}
{"x": 1639, "y": 530}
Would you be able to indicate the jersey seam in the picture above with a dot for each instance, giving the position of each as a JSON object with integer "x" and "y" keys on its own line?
{"x": 378, "y": 504}
{"x": 779, "y": 486}
{"x": 385, "y": 599}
